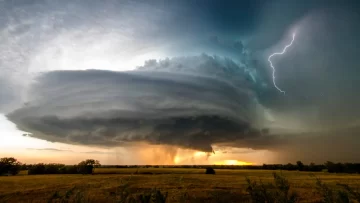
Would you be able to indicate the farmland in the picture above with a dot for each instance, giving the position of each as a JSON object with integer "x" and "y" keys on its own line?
{"x": 181, "y": 185}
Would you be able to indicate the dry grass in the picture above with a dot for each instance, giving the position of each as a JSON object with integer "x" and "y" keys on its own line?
{"x": 181, "y": 184}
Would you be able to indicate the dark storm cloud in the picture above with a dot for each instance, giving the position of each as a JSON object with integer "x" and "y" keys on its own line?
{"x": 338, "y": 145}
{"x": 320, "y": 72}
{"x": 188, "y": 104}
{"x": 86, "y": 107}
{"x": 274, "y": 18}
{"x": 230, "y": 150}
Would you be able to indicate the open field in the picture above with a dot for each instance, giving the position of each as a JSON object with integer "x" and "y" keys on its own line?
{"x": 182, "y": 185}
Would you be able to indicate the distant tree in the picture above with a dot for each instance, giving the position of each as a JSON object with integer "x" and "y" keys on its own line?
{"x": 340, "y": 168}
{"x": 330, "y": 166}
{"x": 87, "y": 166}
{"x": 52, "y": 168}
{"x": 352, "y": 168}
{"x": 315, "y": 168}
{"x": 290, "y": 167}
{"x": 300, "y": 165}
{"x": 90, "y": 162}
{"x": 69, "y": 169}
{"x": 9, "y": 165}
{"x": 24, "y": 167}
{"x": 37, "y": 169}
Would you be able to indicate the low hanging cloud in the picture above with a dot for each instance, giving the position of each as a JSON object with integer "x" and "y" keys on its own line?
{"x": 184, "y": 104}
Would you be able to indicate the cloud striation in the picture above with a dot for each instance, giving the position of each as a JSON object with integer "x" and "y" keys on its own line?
{"x": 189, "y": 105}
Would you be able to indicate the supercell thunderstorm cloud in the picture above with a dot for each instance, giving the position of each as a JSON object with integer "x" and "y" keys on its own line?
{"x": 150, "y": 104}
{"x": 184, "y": 74}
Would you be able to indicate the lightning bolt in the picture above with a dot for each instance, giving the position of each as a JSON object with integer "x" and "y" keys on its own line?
{"x": 272, "y": 66}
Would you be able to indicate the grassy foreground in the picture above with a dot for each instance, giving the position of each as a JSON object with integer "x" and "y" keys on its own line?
{"x": 178, "y": 185}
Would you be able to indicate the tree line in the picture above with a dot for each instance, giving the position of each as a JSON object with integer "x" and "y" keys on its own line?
{"x": 290, "y": 167}
{"x": 329, "y": 166}
{"x": 11, "y": 166}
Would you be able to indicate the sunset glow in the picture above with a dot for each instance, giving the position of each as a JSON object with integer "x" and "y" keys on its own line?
{"x": 176, "y": 159}
{"x": 233, "y": 162}
{"x": 197, "y": 154}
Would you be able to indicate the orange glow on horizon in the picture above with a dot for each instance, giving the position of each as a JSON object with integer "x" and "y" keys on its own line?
{"x": 205, "y": 158}
{"x": 233, "y": 162}
{"x": 197, "y": 154}
{"x": 176, "y": 159}
{"x": 184, "y": 156}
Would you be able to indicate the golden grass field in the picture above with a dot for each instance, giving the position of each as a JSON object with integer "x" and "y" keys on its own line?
{"x": 182, "y": 185}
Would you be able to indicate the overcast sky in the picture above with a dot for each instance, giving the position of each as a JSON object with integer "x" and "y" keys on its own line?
{"x": 178, "y": 78}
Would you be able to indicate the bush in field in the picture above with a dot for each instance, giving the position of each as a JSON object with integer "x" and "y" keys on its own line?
{"x": 280, "y": 192}
{"x": 277, "y": 192}
{"x": 343, "y": 195}
{"x": 9, "y": 166}
{"x": 155, "y": 196}
{"x": 209, "y": 170}
{"x": 350, "y": 192}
